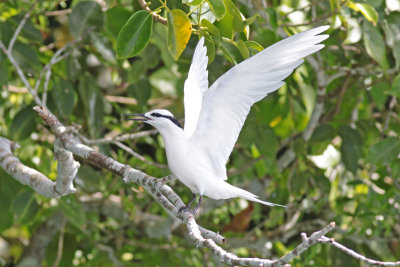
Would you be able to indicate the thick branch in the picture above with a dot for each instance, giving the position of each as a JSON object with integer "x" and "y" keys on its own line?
{"x": 67, "y": 169}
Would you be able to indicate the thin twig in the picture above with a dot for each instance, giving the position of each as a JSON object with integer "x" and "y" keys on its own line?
{"x": 60, "y": 243}
{"x": 20, "y": 26}
{"x": 120, "y": 138}
{"x": 57, "y": 57}
{"x": 137, "y": 155}
{"x": 330, "y": 241}
{"x": 21, "y": 74}
{"x": 392, "y": 103}
{"x": 143, "y": 4}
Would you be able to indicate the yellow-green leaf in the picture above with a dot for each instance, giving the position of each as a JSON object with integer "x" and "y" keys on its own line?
{"x": 367, "y": 10}
{"x": 179, "y": 31}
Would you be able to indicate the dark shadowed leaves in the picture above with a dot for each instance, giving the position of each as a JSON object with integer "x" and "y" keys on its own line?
{"x": 23, "y": 124}
{"x": 25, "y": 206}
{"x": 384, "y": 151}
{"x": 350, "y": 148}
{"x": 73, "y": 210}
{"x": 63, "y": 94}
{"x": 85, "y": 15}
{"x": 93, "y": 104}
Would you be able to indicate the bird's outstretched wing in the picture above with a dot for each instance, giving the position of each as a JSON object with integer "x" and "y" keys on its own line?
{"x": 196, "y": 85}
{"x": 228, "y": 101}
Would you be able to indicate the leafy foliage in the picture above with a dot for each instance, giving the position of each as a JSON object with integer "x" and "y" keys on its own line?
{"x": 347, "y": 171}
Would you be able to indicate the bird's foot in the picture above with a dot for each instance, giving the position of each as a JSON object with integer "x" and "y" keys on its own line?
{"x": 187, "y": 208}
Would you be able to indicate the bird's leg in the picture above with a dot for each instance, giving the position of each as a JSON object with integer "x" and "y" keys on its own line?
{"x": 187, "y": 207}
{"x": 191, "y": 201}
{"x": 198, "y": 204}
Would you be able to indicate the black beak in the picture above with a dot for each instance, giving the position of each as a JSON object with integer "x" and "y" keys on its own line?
{"x": 139, "y": 117}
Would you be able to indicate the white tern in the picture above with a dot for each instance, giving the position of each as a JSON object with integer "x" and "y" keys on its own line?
{"x": 214, "y": 116}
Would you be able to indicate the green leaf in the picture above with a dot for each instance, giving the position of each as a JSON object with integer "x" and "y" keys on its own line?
{"x": 8, "y": 192}
{"x": 4, "y": 73}
{"x": 374, "y": 44}
{"x": 391, "y": 27}
{"x": 378, "y": 93}
{"x": 351, "y": 147}
{"x": 323, "y": 132}
{"x": 273, "y": 19}
{"x": 70, "y": 246}
{"x": 251, "y": 20}
{"x": 74, "y": 65}
{"x": 394, "y": 90}
{"x": 28, "y": 31}
{"x": 165, "y": 81}
{"x": 231, "y": 51}
{"x": 349, "y": 156}
{"x": 367, "y": 10}
{"x": 73, "y": 210}
{"x": 92, "y": 103}
{"x": 141, "y": 90}
{"x": 63, "y": 94}
{"x": 384, "y": 151}
{"x": 116, "y": 17}
{"x": 88, "y": 179}
{"x": 23, "y": 124}
{"x": 396, "y": 53}
{"x": 103, "y": 46}
{"x": 210, "y": 50}
{"x": 349, "y": 134}
{"x": 211, "y": 29}
{"x": 254, "y": 46}
{"x": 244, "y": 51}
{"x": 6, "y": 32}
{"x": 225, "y": 26}
{"x": 237, "y": 20}
{"x": 217, "y": 8}
{"x": 179, "y": 31}
{"x": 84, "y": 15}
{"x": 135, "y": 35}
{"x": 25, "y": 206}
{"x": 26, "y": 57}
{"x": 193, "y": 2}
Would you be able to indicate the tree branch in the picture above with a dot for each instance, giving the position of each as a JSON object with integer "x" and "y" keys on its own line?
{"x": 169, "y": 200}
{"x": 325, "y": 240}
{"x": 67, "y": 169}
{"x": 117, "y": 138}
{"x": 143, "y": 4}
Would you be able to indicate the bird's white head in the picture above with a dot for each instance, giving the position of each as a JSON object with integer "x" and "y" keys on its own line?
{"x": 162, "y": 119}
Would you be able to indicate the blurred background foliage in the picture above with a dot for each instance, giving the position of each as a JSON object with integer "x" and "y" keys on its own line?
{"x": 340, "y": 164}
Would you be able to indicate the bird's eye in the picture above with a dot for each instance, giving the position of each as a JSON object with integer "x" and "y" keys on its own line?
{"x": 155, "y": 114}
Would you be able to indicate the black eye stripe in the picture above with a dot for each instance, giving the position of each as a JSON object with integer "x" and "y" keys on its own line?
{"x": 155, "y": 114}
{"x": 171, "y": 118}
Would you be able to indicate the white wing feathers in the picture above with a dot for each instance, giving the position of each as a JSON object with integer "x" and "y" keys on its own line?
{"x": 196, "y": 85}
{"x": 226, "y": 104}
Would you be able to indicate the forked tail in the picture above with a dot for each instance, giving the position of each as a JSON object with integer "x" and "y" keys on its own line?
{"x": 231, "y": 191}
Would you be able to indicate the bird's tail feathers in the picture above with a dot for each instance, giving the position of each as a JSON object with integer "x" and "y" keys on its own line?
{"x": 238, "y": 192}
